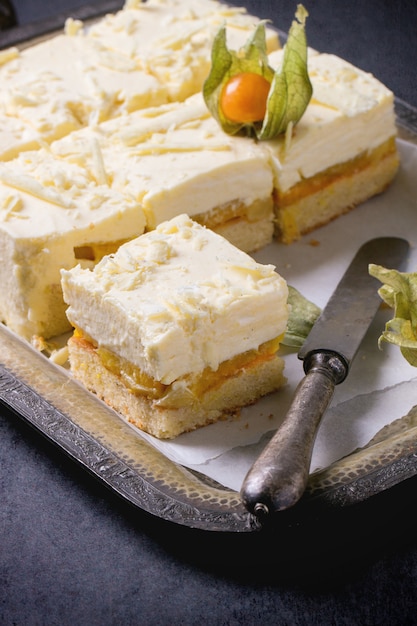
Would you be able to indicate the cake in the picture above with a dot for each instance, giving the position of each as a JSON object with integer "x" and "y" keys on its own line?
{"x": 120, "y": 64}
{"x": 177, "y": 329}
{"x": 106, "y": 184}
{"x": 104, "y": 132}
{"x": 341, "y": 153}
{"x": 175, "y": 158}
{"x": 172, "y": 39}
{"x": 73, "y": 81}
{"x": 53, "y": 215}
{"x": 63, "y": 83}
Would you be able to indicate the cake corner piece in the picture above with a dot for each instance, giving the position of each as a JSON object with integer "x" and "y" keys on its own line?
{"x": 341, "y": 153}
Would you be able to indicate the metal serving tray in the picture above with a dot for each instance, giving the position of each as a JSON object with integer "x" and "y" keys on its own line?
{"x": 94, "y": 436}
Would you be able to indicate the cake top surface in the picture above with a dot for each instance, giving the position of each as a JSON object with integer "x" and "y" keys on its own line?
{"x": 177, "y": 300}
{"x": 43, "y": 197}
{"x": 62, "y": 83}
{"x": 174, "y": 159}
{"x": 146, "y": 54}
{"x": 185, "y": 28}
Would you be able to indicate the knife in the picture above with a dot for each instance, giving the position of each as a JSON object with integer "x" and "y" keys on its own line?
{"x": 278, "y": 478}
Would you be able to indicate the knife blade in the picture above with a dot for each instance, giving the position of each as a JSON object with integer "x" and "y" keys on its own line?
{"x": 278, "y": 478}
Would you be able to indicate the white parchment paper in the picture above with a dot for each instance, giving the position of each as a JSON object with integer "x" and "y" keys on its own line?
{"x": 381, "y": 385}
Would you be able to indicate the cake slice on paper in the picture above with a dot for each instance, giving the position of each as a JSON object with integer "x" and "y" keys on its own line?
{"x": 177, "y": 329}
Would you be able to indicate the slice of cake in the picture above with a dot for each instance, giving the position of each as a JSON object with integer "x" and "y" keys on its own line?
{"x": 174, "y": 159}
{"x": 342, "y": 151}
{"x": 64, "y": 83}
{"x": 53, "y": 215}
{"x": 177, "y": 329}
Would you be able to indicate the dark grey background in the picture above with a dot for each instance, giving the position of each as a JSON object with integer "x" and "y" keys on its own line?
{"x": 71, "y": 553}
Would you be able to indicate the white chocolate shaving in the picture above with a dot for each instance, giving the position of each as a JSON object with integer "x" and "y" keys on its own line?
{"x": 31, "y": 186}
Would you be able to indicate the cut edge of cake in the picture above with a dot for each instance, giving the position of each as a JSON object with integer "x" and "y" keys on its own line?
{"x": 223, "y": 401}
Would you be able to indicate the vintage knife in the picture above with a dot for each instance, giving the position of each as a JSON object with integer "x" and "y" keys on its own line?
{"x": 279, "y": 476}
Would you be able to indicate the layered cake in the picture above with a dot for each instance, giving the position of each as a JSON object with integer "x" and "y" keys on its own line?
{"x": 177, "y": 329}
{"x": 53, "y": 215}
{"x": 175, "y": 158}
{"x": 341, "y": 152}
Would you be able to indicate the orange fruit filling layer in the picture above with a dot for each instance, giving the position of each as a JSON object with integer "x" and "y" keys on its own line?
{"x": 140, "y": 383}
{"x": 314, "y": 184}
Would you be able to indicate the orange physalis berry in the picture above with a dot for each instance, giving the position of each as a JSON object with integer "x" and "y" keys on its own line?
{"x": 243, "y": 99}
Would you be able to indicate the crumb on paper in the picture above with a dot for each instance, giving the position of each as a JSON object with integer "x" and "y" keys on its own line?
{"x": 314, "y": 243}
{"x": 60, "y": 357}
{"x": 39, "y": 343}
{"x": 236, "y": 414}
{"x": 56, "y": 349}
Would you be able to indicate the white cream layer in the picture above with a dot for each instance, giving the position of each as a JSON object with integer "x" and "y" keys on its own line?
{"x": 177, "y": 300}
{"x": 16, "y": 136}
